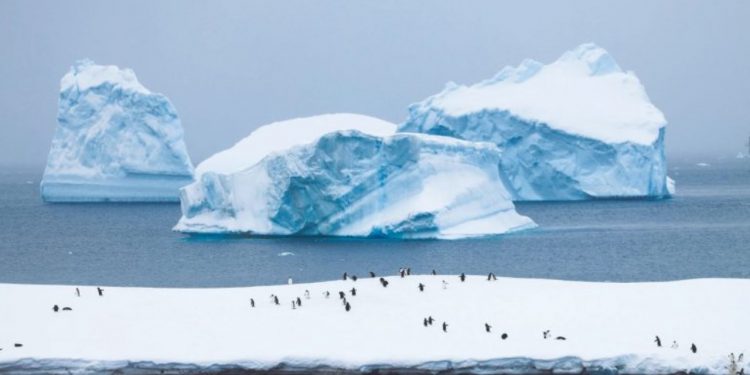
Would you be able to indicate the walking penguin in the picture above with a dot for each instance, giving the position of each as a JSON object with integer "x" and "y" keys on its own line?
{"x": 430, "y": 320}
{"x": 384, "y": 282}
{"x": 348, "y": 306}
{"x": 252, "y": 302}
{"x": 354, "y": 291}
{"x": 421, "y": 287}
{"x": 487, "y": 327}
{"x": 100, "y": 291}
{"x": 445, "y": 327}
{"x": 658, "y": 341}
{"x": 425, "y": 322}
{"x": 299, "y": 302}
{"x": 693, "y": 348}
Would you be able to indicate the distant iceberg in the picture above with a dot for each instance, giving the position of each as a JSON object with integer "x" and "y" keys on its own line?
{"x": 578, "y": 128}
{"x": 351, "y": 182}
{"x": 115, "y": 141}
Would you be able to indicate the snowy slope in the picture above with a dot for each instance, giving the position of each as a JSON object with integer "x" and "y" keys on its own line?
{"x": 607, "y": 326}
{"x": 282, "y": 135}
{"x": 348, "y": 183}
{"x": 577, "y": 128}
{"x": 115, "y": 140}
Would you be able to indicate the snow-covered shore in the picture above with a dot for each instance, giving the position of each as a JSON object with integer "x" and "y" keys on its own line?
{"x": 608, "y": 326}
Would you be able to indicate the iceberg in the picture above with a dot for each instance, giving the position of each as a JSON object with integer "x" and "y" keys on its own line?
{"x": 353, "y": 183}
{"x": 115, "y": 141}
{"x": 578, "y": 128}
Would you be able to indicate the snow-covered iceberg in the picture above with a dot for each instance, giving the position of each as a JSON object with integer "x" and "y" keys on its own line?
{"x": 353, "y": 183}
{"x": 578, "y": 128}
{"x": 115, "y": 140}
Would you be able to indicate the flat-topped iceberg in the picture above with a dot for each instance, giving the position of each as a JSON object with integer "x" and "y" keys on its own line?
{"x": 349, "y": 183}
{"x": 115, "y": 141}
{"x": 578, "y": 128}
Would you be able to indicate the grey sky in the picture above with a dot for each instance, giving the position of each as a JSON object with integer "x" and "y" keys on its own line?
{"x": 229, "y": 66}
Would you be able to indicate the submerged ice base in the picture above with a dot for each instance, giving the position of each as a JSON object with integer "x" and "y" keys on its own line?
{"x": 579, "y": 128}
{"x": 348, "y": 183}
{"x": 115, "y": 141}
{"x": 609, "y": 327}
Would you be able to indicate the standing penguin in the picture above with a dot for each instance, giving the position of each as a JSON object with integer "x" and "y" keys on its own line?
{"x": 78, "y": 292}
{"x": 445, "y": 327}
{"x": 327, "y": 294}
{"x": 430, "y": 320}
{"x": 294, "y": 305}
{"x": 100, "y": 291}
{"x": 299, "y": 302}
{"x": 421, "y": 287}
{"x": 252, "y": 302}
{"x": 504, "y": 336}
{"x": 276, "y": 300}
{"x": 658, "y": 341}
{"x": 693, "y": 348}
{"x": 408, "y": 271}
{"x": 434, "y": 273}
{"x": 341, "y": 295}
{"x": 346, "y": 276}
{"x": 347, "y": 306}
{"x": 425, "y": 322}
{"x": 354, "y": 277}
{"x": 674, "y": 345}
{"x": 55, "y": 308}
{"x": 372, "y": 274}
{"x": 354, "y": 291}
{"x": 402, "y": 272}
{"x": 487, "y": 327}
{"x": 445, "y": 285}
{"x": 463, "y": 277}
{"x": 307, "y": 294}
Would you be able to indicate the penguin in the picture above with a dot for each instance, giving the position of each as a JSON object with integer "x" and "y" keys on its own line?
{"x": 55, "y": 308}
{"x": 658, "y": 341}
{"x": 67, "y": 309}
{"x": 693, "y": 348}
{"x": 327, "y": 294}
{"x": 421, "y": 287}
{"x": 100, "y": 291}
{"x": 561, "y": 338}
{"x": 408, "y": 271}
{"x": 372, "y": 274}
{"x": 346, "y": 276}
{"x": 434, "y": 273}
{"x": 354, "y": 277}
{"x": 384, "y": 282}
{"x": 489, "y": 276}
{"x": 504, "y": 336}
{"x": 674, "y": 345}
{"x": 463, "y": 277}
{"x": 354, "y": 291}
{"x": 348, "y": 306}
{"x": 487, "y": 327}
{"x": 307, "y": 294}
{"x": 402, "y": 272}
{"x": 276, "y": 300}
{"x": 545, "y": 334}
{"x": 17, "y": 345}
{"x": 445, "y": 285}
{"x": 294, "y": 305}
{"x": 78, "y": 292}
{"x": 445, "y": 327}
{"x": 341, "y": 295}
{"x": 494, "y": 278}
{"x": 252, "y": 302}
{"x": 430, "y": 320}
{"x": 299, "y": 302}
{"x": 425, "y": 322}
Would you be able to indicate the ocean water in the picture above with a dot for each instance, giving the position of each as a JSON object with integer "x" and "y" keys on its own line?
{"x": 704, "y": 231}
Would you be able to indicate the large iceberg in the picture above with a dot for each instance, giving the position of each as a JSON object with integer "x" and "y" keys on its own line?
{"x": 578, "y": 128}
{"x": 361, "y": 182}
{"x": 115, "y": 141}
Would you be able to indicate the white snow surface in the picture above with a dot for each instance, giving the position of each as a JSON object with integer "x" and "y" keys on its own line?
{"x": 584, "y": 93}
{"x": 282, "y": 135}
{"x": 606, "y": 325}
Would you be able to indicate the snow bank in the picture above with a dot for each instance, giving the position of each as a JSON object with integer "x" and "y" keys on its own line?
{"x": 577, "y": 128}
{"x": 348, "y": 183}
{"x": 115, "y": 140}
{"x": 607, "y": 326}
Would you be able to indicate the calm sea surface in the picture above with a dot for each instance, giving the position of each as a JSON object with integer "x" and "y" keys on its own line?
{"x": 703, "y": 232}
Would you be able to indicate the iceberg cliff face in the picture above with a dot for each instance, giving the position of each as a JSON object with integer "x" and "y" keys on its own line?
{"x": 348, "y": 183}
{"x": 578, "y": 128}
{"x": 115, "y": 141}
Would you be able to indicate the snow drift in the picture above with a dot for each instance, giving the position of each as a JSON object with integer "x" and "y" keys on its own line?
{"x": 578, "y": 128}
{"x": 115, "y": 140}
{"x": 348, "y": 183}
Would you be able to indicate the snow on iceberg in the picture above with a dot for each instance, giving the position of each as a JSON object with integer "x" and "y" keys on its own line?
{"x": 578, "y": 128}
{"x": 349, "y": 183}
{"x": 115, "y": 140}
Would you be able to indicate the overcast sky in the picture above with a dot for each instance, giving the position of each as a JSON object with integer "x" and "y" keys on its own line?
{"x": 230, "y": 66}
